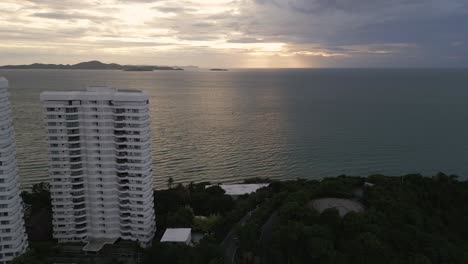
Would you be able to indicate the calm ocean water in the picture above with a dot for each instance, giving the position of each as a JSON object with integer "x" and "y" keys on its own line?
{"x": 281, "y": 124}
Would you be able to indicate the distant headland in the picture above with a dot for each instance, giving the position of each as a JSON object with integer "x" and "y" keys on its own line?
{"x": 92, "y": 65}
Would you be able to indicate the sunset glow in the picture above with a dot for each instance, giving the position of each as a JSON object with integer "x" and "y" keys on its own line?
{"x": 224, "y": 33}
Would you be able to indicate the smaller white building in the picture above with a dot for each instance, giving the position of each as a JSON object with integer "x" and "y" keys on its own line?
{"x": 177, "y": 235}
{"x": 241, "y": 189}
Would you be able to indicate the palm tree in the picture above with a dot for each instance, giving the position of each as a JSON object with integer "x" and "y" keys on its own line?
{"x": 170, "y": 181}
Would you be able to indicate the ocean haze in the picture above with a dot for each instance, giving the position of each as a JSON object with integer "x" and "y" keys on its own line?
{"x": 280, "y": 124}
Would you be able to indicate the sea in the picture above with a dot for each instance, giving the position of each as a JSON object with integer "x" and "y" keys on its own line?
{"x": 272, "y": 123}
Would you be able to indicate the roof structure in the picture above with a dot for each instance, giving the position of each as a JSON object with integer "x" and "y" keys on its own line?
{"x": 181, "y": 235}
{"x": 94, "y": 245}
{"x": 241, "y": 189}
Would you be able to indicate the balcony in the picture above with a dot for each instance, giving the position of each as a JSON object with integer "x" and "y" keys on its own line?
{"x": 121, "y": 161}
{"x": 122, "y": 168}
{"x": 71, "y": 117}
{"x": 77, "y": 193}
{"x": 77, "y": 180}
{"x": 73, "y": 131}
{"x": 73, "y": 139}
{"x": 120, "y": 133}
{"x": 72, "y": 160}
{"x": 78, "y": 187}
{"x": 76, "y": 173}
{"x": 124, "y": 182}
{"x": 78, "y": 207}
{"x": 80, "y": 226}
{"x": 73, "y": 124}
{"x": 125, "y": 222}
{"x": 71, "y": 110}
{"x": 80, "y": 219}
{"x": 124, "y": 189}
{"x": 74, "y": 145}
{"x": 121, "y": 140}
{"x": 78, "y": 200}
{"x": 124, "y": 196}
{"x": 124, "y": 208}
{"x": 75, "y": 153}
{"x": 79, "y": 213}
{"x": 76, "y": 166}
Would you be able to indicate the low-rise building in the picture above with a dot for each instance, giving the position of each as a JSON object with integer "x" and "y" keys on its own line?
{"x": 177, "y": 235}
{"x": 236, "y": 190}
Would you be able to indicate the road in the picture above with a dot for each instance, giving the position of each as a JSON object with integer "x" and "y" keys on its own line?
{"x": 266, "y": 236}
{"x": 229, "y": 244}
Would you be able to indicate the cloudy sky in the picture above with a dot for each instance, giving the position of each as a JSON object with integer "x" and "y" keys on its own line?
{"x": 237, "y": 33}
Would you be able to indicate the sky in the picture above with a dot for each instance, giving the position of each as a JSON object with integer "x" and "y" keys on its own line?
{"x": 237, "y": 33}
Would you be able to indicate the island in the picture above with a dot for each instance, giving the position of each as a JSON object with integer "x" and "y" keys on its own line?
{"x": 91, "y": 65}
{"x": 218, "y": 69}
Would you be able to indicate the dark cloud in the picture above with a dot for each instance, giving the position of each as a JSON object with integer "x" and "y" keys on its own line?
{"x": 394, "y": 30}
{"x": 203, "y": 24}
{"x": 174, "y": 9}
{"x": 374, "y": 32}
{"x": 67, "y": 16}
{"x": 61, "y": 4}
{"x": 244, "y": 40}
{"x": 313, "y": 6}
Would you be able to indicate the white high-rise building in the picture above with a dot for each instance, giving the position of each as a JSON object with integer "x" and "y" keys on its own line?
{"x": 13, "y": 239}
{"x": 100, "y": 166}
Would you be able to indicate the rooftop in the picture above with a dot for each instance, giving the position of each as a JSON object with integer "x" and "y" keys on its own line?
{"x": 176, "y": 235}
{"x": 241, "y": 189}
{"x": 108, "y": 89}
{"x": 96, "y": 244}
{"x": 95, "y": 93}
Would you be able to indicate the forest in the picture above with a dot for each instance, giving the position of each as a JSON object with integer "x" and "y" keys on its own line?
{"x": 405, "y": 219}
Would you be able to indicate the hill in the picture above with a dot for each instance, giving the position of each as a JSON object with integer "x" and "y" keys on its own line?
{"x": 89, "y": 65}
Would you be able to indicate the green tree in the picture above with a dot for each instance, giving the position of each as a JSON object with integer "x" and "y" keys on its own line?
{"x": 170, "y": 182}
{"x": 183, "y": 217}
{"x": 27, "y": 258}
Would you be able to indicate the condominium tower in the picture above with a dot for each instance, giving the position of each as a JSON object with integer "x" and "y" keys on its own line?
{"x": 100, "y": 166}
{"x": 13, "y": 239}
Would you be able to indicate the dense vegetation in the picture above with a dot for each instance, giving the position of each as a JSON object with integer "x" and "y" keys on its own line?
{"x": 205, "y": 209}
{"x": 410, "y": 219}
{"x": 38, "y": 221}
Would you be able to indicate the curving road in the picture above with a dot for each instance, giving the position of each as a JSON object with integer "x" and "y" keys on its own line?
{"x": 229, "y": 244}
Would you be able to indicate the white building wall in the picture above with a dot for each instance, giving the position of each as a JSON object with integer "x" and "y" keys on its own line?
{"x": 13, "y": 239}
{"x": 100, "y": 164}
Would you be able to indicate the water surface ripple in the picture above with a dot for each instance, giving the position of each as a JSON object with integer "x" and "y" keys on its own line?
{"x": 281, "y": 124}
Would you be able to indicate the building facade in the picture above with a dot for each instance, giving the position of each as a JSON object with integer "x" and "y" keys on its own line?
{"x": 100, "y": 165}
{"x": 13, "y": 239}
